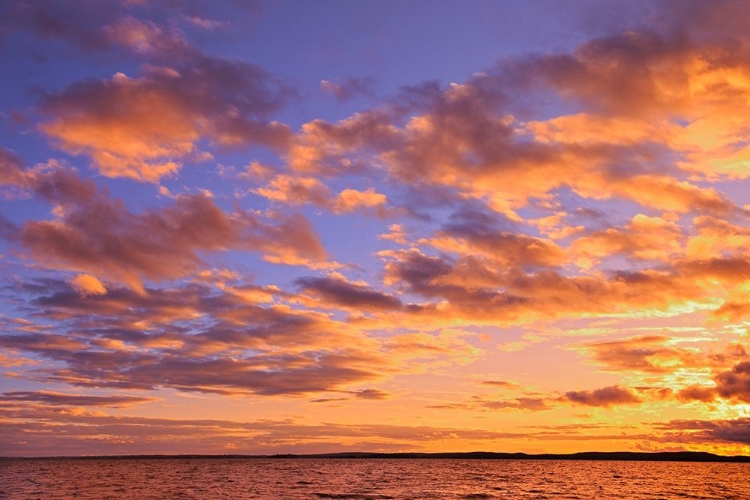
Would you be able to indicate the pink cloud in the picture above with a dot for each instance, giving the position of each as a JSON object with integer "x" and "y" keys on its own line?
{"x": 96, "y": 234}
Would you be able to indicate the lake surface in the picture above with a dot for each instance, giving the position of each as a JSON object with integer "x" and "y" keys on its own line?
{"x": 369, "y": 479}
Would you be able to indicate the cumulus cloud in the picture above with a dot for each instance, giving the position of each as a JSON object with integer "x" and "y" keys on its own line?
{"x": 606, "y": 397}
{"x": 474, "y": 234}
{"x": 11, "y": 172}
{"x": 643, "y": 238}
{"x": 708, "y": 431}
{"x": 338, "y": 291}
{"x": 296, "y": 191}
{"x": 657, "y": 354}
{"x": 460, "y": 143}
{"x": 96, "y": 234}
{"x": 735, "y": 383}
{"x": 85, "y": 284}
{"x": 145, "y": 127}
{"x": 652, "y": 115}
{"x": 732, "y": 384}
{"x": 207, "y": 364}
{"x": 197, "y": 338}
{"x": 350, "y": 200}
{"x": 300, "y": 190}
{"x": 473, "y": 288}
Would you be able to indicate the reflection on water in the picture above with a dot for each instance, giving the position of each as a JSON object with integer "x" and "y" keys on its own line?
{"x": 369, "y": 479}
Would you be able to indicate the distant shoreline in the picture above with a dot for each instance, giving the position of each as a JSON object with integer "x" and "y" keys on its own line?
{"x": 678, "y": 456}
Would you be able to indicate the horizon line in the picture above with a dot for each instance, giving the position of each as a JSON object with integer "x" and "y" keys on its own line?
{"x": 676, "y": 456}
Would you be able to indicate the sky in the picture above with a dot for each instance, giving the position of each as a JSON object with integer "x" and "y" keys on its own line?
{"x": 243, "y": 227}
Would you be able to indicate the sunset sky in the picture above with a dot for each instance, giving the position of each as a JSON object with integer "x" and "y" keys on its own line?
{"x": 317, "y": 226}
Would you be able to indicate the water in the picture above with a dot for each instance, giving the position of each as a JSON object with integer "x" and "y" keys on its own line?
{"x": 188, "y": 478}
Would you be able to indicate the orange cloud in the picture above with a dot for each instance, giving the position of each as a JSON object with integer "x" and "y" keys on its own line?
{"x": 145, "y": 127}
{"x": 648, "y": 100}
{"x": 85, "y": 284}
{"x": 351, "y": 200}
{"x": 643, "y": 238}
{"x": 296, "y": 191}
{"x": 655, "y": 354}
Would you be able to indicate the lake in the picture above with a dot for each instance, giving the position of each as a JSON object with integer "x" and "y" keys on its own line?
{"x": 296, "y": 478}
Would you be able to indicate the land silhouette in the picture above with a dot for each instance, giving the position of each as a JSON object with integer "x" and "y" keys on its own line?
{"x": 672, "y": 456}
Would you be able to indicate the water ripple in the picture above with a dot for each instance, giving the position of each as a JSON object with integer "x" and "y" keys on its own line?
{"x": 369, "y": 479}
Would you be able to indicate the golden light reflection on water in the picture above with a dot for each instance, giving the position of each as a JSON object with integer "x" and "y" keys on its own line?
{"x": 371, "y": 479}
